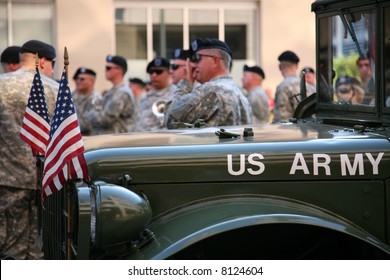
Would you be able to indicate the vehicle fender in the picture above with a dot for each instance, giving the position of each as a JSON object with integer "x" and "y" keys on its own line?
{"x": 192, "y": 223}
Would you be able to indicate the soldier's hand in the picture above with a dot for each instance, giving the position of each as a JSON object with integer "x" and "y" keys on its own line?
{"x": 189, "y": 71}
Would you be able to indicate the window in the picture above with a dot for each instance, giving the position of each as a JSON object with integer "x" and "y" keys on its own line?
{"x": 131, "y": 33}
{"x": 203, "y": 24}
{"x": 145, "y": 30}
{"x": 347, "y": 58}
{"x": 23, "y": 20}
{"x": 167, "y": 31}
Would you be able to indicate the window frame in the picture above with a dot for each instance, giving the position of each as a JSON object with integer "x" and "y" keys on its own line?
{"x": 346, "y": 110}
{"x": 186, "y": 7}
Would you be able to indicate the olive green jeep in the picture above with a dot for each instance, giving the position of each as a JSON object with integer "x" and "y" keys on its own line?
{"x": 315, "y": 187}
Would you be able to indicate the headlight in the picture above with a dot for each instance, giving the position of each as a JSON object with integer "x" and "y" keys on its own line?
{"x": 118, "y": 215}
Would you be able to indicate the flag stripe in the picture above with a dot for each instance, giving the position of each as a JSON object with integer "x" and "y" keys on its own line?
{"x": 34, "y": 132}
{"x": 66, "y": 147}
{"x": 64, "y": 155}
{"x": 61, "y": 158}
{"x": 53, "y": 171}
{"x": 35, "y": 127}
{"x": 34, "y": 119}
{"x": 60, "y": 141}
{"x": 79, "y": 167}
{"x": 31, "y": 140}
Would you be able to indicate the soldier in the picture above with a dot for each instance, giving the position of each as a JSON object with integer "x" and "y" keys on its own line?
{"x": 163, "y": 89}
{"x": 218, "y": 100}
{"x": 10, "y": 60}
{"x": 18, "y": 220}
{"x": 251, "y": 81}
{"x": 85, "y": 97}
{"x": 287, "y": 92}
{"x": 310, "y": 76}
{"x": 178, "y": 65}
{"x": 349, "y": 90}
{"x": 117, "y": 112}
{"x": 367, "y": 79}
{"x": 138, "y": 87}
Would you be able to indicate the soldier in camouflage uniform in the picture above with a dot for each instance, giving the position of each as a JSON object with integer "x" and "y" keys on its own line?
{"x": 163, "y": 89}
{"x": 18, "y": 219}
{"x": 218, "y": 100}
{"x": 117, "y": 112}
{"x": 287, "y": 92}
{"x": 251, "y": 82}
{"x": 85, "y": 97}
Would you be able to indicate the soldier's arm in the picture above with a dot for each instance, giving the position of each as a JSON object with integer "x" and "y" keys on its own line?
{"x": 110, "y": 112}
{"x": 202, "y": 103}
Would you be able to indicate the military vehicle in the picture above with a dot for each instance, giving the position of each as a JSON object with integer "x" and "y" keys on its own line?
{"x": 314, "y": 187}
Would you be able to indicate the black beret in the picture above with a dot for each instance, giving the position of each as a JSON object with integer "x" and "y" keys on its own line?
{"x": 255, "y": 69}
{"x": 308, "y": 70}
{"x": 182, "y": 54}
{"x": 343, "y": 80}
{"x": 160, "y": 62}
{"x": 40, "y": 48}
{"x": 11, "y": 54}
{"x": 83, "y": 70}
{"x": 210, "y": 43}
{"x": 289, "y": 56}
{"x": 118, "y": 60}
{"x": 137, "y": 81}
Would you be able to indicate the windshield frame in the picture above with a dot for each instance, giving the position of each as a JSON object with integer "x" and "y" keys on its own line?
{"x": 324, "y": 52}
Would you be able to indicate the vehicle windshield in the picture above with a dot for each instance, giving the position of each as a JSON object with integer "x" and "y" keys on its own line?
{"x": 386, "y": 56}
{"x": 347, "y": 57}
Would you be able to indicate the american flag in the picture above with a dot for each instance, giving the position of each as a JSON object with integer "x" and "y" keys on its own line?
{"x": 36, "y": 122}
{"x": 66, "y": 147}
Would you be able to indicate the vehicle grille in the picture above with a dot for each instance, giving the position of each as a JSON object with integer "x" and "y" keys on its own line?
{"x": 57, "y": 229}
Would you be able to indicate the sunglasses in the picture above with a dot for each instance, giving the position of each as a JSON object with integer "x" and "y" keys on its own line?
{"x": 198, "y": 57}
{"x": 156, "y": 71}
{"x": 174, "y": 67}
{"x": 345, "y": 90}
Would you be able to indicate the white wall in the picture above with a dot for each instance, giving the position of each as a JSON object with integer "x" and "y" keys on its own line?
{"x": 87, "y": 29}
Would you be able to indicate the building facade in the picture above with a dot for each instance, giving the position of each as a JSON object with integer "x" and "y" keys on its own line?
{"x": 257, "y": 30}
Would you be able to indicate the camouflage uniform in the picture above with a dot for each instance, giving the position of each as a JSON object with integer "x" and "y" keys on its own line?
{"x": 219, "y": 102}
{"x": 83, "y": 104}
{"x": 146, "y": 120}
{"x": 15, "y": 88}
{"x": 259, "y": 102}
{"x": 285, "y": 102}
{"x": 116, "y": 113}
{"x": 18, "y": 219}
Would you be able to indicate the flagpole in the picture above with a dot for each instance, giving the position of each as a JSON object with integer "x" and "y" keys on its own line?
{"x": 59, "y": 172}
{"x": 66, "y": 61}
{"x": 37, "y": 167}
{"x": 36, "y": 158}
{"x": 68, "y": 185}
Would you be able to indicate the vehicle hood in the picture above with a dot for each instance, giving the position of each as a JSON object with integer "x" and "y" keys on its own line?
{"x": 268, "y": 133}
